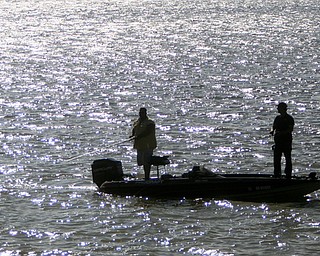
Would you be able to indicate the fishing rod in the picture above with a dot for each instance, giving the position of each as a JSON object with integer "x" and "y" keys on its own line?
{"x": 109, "y": 146}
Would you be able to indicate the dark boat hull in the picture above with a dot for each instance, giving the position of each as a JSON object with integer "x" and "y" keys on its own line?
{"x": 254, "y": 188}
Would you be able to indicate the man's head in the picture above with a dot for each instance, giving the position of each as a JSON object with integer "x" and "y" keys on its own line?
{"x": 282, "y": 107}
{"x": 143, "y": 113}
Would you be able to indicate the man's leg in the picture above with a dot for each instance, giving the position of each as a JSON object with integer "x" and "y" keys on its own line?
{"x": 146, "y": 163}
{"x": 147, "y": 169}
{"x": 277, "y": 154}
{"x": 288, "y": 169}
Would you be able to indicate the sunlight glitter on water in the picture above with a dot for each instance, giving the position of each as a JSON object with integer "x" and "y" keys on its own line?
{"x": 73, "y": 76}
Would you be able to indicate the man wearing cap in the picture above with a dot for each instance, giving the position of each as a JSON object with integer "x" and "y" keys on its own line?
{"x": 282, "y": 130}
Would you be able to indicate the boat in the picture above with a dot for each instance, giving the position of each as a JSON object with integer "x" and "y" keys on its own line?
{"x": 202, "y": 183}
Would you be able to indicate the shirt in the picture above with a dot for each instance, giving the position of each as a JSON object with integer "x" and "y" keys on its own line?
{"x": 283, "y": 126}
{"x": 144, "y": 131}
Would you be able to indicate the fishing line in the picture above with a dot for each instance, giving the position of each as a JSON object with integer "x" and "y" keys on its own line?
{"x": 109, "y": 146}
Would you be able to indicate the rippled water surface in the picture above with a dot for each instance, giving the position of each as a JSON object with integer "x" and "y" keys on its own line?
{"x": 73, "y": 75}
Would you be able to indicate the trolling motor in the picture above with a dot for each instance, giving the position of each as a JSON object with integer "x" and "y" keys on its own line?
{"x": 313, "y": 176}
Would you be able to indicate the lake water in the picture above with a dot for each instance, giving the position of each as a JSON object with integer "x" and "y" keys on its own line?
{"x": 73, "y": 75}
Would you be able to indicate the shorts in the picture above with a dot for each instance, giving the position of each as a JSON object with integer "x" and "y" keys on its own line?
{"x": 144, "y": 156}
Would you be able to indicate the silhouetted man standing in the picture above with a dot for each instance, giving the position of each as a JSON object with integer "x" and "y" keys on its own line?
{"x": 282, "y": 131}
{"x": 145, "y": 142}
